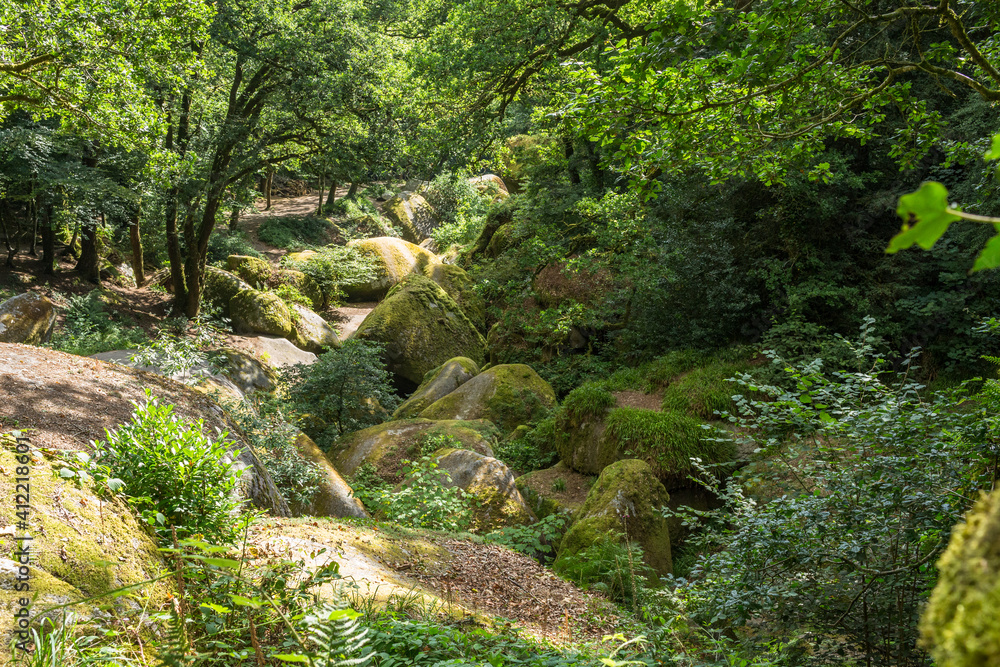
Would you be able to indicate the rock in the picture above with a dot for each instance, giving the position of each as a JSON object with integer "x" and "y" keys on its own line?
{"x": 245, "y": 372}
{"x": 623, "y": 502}
{"x": 554, "y": 490}
{"x": 508, "y": 395}
{"x": 278, "y": 352}
{"x": 306, "y": 286}
{"x": 490, "y": 185}
{"x": 253, "y": 270}
{"x": 394, "y": 260}
{"x": 312, "y": 332}
{"x": 504, "y": 238}
{"x": 430, "y": 245}
{"x": 415, "y": 185}
{"x": 369, "y": 226}
{"x": 300, "y": 256}
{"x": 412, "y": 216}
{"x": 27, "y": 318}
{"x": 253, "y": 311}
{"x": 459, "y": 286}
{"x": 335, "y": 497}
{"x": 496, "y": 501}
{"x": 385, "y": 445}
{"x": 194, "y": 376}
{"x": 386, "y": 195}
{"x": 436, "y": 384}
{"x": 561, "y": 282}
{"x": 120, "y": 274}
{"x": 959, "y": 625}
{"x": 421, "y": 327}
{"x": 220, "y": 287}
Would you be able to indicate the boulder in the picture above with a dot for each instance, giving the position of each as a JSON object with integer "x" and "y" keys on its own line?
{"x": 335, "y": 497}
{"x": 253, "y": 270}
{"x": 312, "y": 332}
{"x": 436, "y": 384}
{"x": 394, "y": 260}
{"x": 121, "y": 274}
{"x": 421, "y": 327}
{"x": 496, "y": 501}
{"x": 385, "y": 445}
{"x": 459, "y": 286}
{"x": 555, "y": 490}
{"x": 959, "y": 626}
{"x": 624, "y": 503}
{"x": 253, "y": 311}
{"x": 277, "y": 352}
{"x": 300, "y": 256}
{"x": 305, "y": 285}
{"x": 27, "y": 318}
{"x": 503, "y": 239}
{"x": 508, "y": 395}
{"x": 245, "y": 372}
{"x": 490, "y": 185}
{"x": 220, "y": 287}
{"x": 412, "y": 216}
{"x": 415, "y": 185}
{"x": 203, "y": 376}
{"x": 562, "y": 282}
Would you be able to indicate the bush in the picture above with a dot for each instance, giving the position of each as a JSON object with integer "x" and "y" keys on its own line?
{"x": 537, "y": 540}
{"x": 460, "y": 209}
{"x": 222, "y": 244}
{"x": 89, "y": 329}
{"x": 174, "y": 474}
{"x": 294, "y": 232}
{"x": 333, "y": 266}
{"x": 610, "y": 567}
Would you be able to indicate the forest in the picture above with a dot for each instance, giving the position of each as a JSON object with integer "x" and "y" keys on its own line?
{"x": 692, "y": 305}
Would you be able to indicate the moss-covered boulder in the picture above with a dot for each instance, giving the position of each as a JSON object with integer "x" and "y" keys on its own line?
{"x": 421, "y": 327}
{"x": 623, "y": 504}
{"x": 459, "y": 286}
{"x": 508, "y": 395}
{"x": 961, "y": 624}
{"x": 384, "y": 446}
{"x": 312, "y": 332}
{"x": 503, "y": 239}
{"x": 300, "y": 256}
{"x": 335, "y": 497}
{"x": 220, "y": 287}
{"x": 437, "y": 383}
{"x": 27, "y": 318}
{"x": 490, "y": 185}
{"x": 410, "y": 213}
{"x": 555, "y": 490}
{"x": 393, "y": 260}
{"x": 253, "y": 311}
{"x": 496, "y": 501}
{"x": 245, "y": 371}
{"x": 305, "y": 285}
{"x": 253, "y": 270}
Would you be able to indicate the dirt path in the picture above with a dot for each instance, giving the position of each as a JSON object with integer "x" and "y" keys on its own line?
{"x": 302, "y": 207}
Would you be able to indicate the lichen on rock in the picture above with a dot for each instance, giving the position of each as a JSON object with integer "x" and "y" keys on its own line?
{"x": 436, "y": 384}
{"x": 496, "y": 500}
{"x": 253, "y": 311}
{"x": 27, "y": 318}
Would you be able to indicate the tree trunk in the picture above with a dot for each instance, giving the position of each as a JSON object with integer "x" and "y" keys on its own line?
{"x": 353, "y": 190}
{"x": 89, "y": 264}
{"x": 11, "y": 247}
{"x": 134, "y": 237}
{"x": 174, "y": 251}
{"x": 574, "y": 173}
{"x": 321, "y": 184}
{"x": 33, "y": 205}
{"x": 234, "y": 218}
{"x": 48, "y": 244}
{"x": 72, "y": 242}
{"x": 332, "y": 197}
{"x": 267, "y": 189}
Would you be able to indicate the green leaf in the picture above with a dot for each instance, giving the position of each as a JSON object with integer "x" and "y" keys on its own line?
{"x": 66, "y": 473}
{"x": 929, "y": 206}
{"x": 994, "y": 152}
{"x": 989, "y": 256}
{"x": 290, "y": 657}
{"x": 246, "y": 602}
{"x": 216, "y": 608}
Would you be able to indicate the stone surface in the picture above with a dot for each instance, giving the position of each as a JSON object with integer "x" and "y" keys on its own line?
{"x": 27, "y": 318}
{"x": 508, "y": 395}
{"x": 335, "y": 497}
{"x": 312, "y": 332}
{"x": 459, "y": 286}
{"x": 253, "y": 311}
{"x": 497, "y": 502}
{"x": 623, "y": 504}
{"x": 306, "y": 286}
{"x": 220, "y": 287}
{"x": 437, "y": 383}
{"x": 253, "y": 270}
{"x": 394, "y": 260}
{"x": 410, "y": 213}
{"x": 200, "y": 373}
{"x": 275, "y": 352}
{"x": 421, "y": 327}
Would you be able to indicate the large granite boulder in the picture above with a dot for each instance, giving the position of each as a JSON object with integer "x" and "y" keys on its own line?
{"x": 410, "y": 213}
{"x": 253, "y": 311}
{"x": 305, "y": 285}
{"x": 459, "y": 286}
{"x": 437, "y": 383}
{"x": 27, "y": 318}
{"x": 220, "y": 287}
{"x": 421, "y": 327}
{"x": 508, "y": 395}
{"x": 496, "y": 501}
{"x": 394, "y": 260}
{"x": 623, "y": 504}
{"x": 335, "y": 497}
{"x": 312, "y": 332}
{"x": 253, "y": 270}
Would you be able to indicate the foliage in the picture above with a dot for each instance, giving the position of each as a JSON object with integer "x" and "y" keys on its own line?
{"x": 460, "y": 209}
{"x": 423, "y": 499}
{"x": 529, "y": 450}
{"x": 292, "y": 296}
{"x": 293, "y": 232}
{"x": 611, "y": 567}
{"x": 65, "y": 643}
{"x": 224, "y": 243}
{"x": 704, "y": 392}
{"x": 866, "y": 479}
{"x": 89, "y": 328}
{"x": 537, "y": 540}
{"x": 176, "y": 476}
{"x": 345, "y": 390}
{"x": 333, "y": 266}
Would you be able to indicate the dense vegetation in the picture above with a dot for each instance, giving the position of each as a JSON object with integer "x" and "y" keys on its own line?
{"x": 692, "y": 183}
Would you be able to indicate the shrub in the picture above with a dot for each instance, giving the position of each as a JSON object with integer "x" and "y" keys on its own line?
{"x": 89, "y": 328}
{"x": 704, "y": 391}
{"x": 529, "y": 450}
{"x": 537, "y": 540}
{"x": 294, "y": 232}
{"x": 222, "y": 244}
{"x": 173, "y": 473}
{"x": 611, "y": 567}
{"x": 333, "y": 266}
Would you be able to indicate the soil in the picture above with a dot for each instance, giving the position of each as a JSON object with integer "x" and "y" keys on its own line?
{"x": 637, "y": 399}
{"x": 575, "y": 485}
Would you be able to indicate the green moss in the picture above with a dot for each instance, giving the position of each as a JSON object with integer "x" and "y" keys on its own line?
{"x": 704, "y": 391}
{"x": 653, "y": 375}
{"x": 302, "y": 283}
{"x": 253, "y": 311}
{"x": 437, "y": 383}
{"x": 623, "y": 503}
{"x": 254, "y": 270}
{"x": 960, "y": 626}
{"x": 220, "y": 287}
{"x": 457, "y": 283}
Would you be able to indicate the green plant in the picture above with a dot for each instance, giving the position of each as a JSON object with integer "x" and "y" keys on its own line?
{"x": 294, "y": 232}
{"x": 537, "y": 540}
{"x": 89, "y": 328}
{"x": 459, "y": 207}
{"x": 424, "y": 499}
{"x": 292, "y": 296}
{"x": 530, "y": 450}
{"x": 64, "y": 643}
{"x": 174, "y": 474}
{"x": 611, "y": 567}
{"x": 559, "y": 485}
{"x": 333, "y": 266}
{"x": 222, "y": 244}
{"x": 704, "y": 392}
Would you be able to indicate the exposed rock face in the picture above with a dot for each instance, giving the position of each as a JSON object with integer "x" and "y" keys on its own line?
{"x": 623, "y": 505}
{"x": 395, "y": 260}
{"x": 253, "y": 311}
{"x": 335, "y": 497}
{"x": 202, "y": 376}
{"x": 561, "y": 282}
{"x": 421, "y": 327}
{"x": 245, "y": 372}
{"x": 508, "y": 395}
{"x": 412, "y": 216}
{"x": 220, "y": 287}
{"x": 27, "y": 318}
{"x": 438, "y": 383}
{"x": 278, "y": 352}
{"x": 459, "y": 286}
{"x": 385, "y": 445}
{"x": 959, "y": 626}
{"x": 497, "y": 502}
{"x": 312, "y": 332}
{"x": 490, "y": 185}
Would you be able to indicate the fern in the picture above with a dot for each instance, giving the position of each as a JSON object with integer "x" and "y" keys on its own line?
{"x": 335, "y": 636}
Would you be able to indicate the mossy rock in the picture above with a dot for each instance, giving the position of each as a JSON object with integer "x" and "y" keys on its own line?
{"x": 312, "y": 332}
{"x": 624, "y": 502}
{"x": 961, "y": 624}
{"x": 705, "y": 390}
{"x": 503, "y": 239}
{"x": 508, "y": 395}
{"x": 253, "y": 270}
{"x": 410, "y": 213}
{"x": 386, "y": 445}
{"x": 393, "y": 261}
{"x": 496, "y": 501}
{"x": 421, "y": 327}
{"x": 334, "y": 497}
{"x": 27, "y": 318}
{"x": 555, "y": 490}
{"x": 562, "y": 282}
{"x": 220, "y": 287}
{"x": 253, "y": 311}
{"x": 436, "y": 384}
{"x": 459, "y": 286}
{"x": 306, "y": 286}
{"x": 300, "y": 256}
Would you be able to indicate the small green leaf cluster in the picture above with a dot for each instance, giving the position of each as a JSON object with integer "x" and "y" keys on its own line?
{"x": 424, "y": 500}
{"x": 531, "y": 450}
{"x": 333, "y": 266}
{"x": 224, "y": 243}
{"x": 537, "y": 540}
{"x": 610, "y": 567}
{"x": 293, "y": 232}
{"x": 89, "y": 328}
